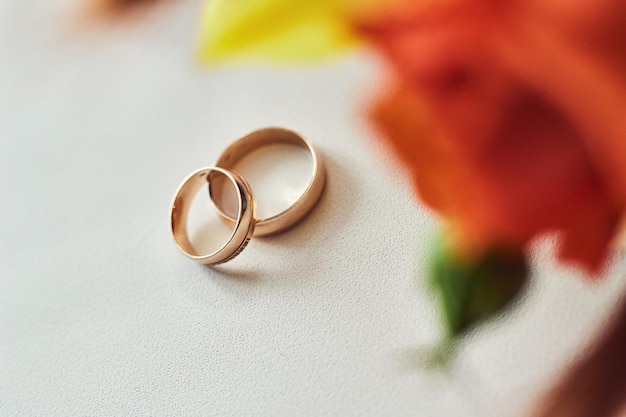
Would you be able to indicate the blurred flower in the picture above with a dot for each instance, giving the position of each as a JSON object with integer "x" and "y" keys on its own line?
{"x": 509, "y": 115}
{"x": 119, "y": 8}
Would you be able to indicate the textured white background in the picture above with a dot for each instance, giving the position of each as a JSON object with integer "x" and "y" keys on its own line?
{"x": 99, "y": 313}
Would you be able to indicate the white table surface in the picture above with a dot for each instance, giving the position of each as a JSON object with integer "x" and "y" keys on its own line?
{"x": 100, "y": 315}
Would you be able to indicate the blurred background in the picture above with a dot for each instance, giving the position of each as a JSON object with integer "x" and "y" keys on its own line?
{"x": 103, "y": 111}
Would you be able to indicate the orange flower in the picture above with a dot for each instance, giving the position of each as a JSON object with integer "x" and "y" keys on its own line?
{"x": 510, "y": 116}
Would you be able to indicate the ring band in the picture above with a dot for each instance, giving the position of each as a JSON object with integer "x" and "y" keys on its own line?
{"x": 305, "y": 203}
{"x": 243, "y": 226}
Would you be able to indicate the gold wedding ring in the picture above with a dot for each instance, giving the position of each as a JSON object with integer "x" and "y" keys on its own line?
{"x": 243, "y": 226}
{"x": 243, "y": 222}
{"x": 304, "y": 204}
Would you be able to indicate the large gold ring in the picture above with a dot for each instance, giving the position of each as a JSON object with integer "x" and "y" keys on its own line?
{"x": 306, "y": 202}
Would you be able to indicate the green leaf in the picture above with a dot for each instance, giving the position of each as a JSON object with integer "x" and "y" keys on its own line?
{"x": 471, "y": 291}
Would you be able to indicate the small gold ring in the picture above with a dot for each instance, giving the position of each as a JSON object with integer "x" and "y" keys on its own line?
{"x": 305, "y": 203}
{"x": 243, "y": 226}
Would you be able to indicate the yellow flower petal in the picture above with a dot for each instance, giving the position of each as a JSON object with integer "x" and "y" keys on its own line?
{"x": 278, "y": 30}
